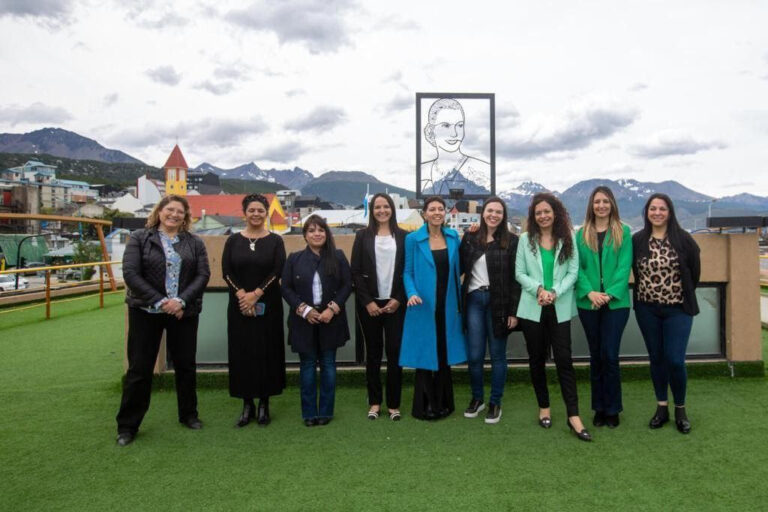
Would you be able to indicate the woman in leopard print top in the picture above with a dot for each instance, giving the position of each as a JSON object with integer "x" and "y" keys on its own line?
{"x": 666, "y": 266}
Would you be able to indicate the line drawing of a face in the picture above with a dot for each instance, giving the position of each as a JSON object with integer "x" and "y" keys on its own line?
{"x": 445, "y": 126}
{"x": 451, "y": 167}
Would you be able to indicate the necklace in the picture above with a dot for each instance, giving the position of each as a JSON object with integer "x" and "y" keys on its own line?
{"x": 251, "y": 241}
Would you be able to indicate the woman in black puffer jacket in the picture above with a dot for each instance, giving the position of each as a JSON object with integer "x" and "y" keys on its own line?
{"x": 165, "y": 270}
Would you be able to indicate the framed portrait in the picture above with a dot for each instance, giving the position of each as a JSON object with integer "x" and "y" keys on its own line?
{"x": 455, "y": 145}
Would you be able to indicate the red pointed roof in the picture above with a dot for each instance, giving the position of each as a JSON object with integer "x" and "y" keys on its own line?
{"x": 176, "y": 159}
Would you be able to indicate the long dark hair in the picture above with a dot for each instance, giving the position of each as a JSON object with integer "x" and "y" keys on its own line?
{"x": 675, "y": 234}
{"x": 328, "y": 251}
{"x": 502, "y": 232}
{"x": 373, "y": 225}
{"x": 588, "y": 231}
{"x": 561, "y": 228}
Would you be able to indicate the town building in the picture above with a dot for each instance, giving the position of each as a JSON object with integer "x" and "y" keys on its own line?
{"x": 176, "y": 169}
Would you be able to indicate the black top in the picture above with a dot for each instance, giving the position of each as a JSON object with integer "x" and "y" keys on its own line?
{"x": 363, "y": 266}
{"x": 248, "y": 269}
{"x": 504, "y": 288}
{"x": 296, "y": 285}
{"x": 442, "y": 268}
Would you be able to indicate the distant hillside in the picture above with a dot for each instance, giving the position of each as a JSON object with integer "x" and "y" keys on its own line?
{"x": 121, "y": 174}
{"x": 62, "y": 143}
{"x": 294, "y": 178}
{"x": 348, "y": 187}
{"x": 249, "y": 186}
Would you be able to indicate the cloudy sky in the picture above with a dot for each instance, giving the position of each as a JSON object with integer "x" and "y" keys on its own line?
{"x": 649, "y": 90}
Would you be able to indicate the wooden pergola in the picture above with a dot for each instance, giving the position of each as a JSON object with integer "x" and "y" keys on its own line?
{"x": 98, "y": 224}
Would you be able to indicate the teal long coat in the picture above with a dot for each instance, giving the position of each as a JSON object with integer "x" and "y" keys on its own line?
{"x": 616, "y": 267}
{"x": 419, "y": 343}
{"x": 530, "y": 274}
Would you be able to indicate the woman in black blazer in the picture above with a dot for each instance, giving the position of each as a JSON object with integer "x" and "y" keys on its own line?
{"x": 165, "y": 268}
{"x": 316, "y": 284}
{"x": 378, "y": 256}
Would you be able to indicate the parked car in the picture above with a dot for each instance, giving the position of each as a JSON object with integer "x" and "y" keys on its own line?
{"x": 8, "y": 282}
{"x": 33, "y": 265}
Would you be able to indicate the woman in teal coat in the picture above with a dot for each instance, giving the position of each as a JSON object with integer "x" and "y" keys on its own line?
{"x": 547, "y": 267}
{"x": 602, "y": 298}
{"x": 433, "y": 338}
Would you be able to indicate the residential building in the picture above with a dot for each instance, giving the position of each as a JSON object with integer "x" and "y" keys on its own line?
{"x": 197, "y": 178}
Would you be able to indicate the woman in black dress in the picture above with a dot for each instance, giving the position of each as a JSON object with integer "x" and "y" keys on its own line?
{"x": 252, "y": 263}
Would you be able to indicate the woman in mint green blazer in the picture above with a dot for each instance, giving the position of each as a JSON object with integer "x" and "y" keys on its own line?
{"x": 547, "y": 267}
{"x": 602, "y": 297}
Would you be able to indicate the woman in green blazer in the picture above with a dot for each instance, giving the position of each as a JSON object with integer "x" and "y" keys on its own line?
{"x": 547, "y": 267}
{"x": 602, "y": 297}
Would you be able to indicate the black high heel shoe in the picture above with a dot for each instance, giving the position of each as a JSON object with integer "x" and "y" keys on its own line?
{"x": 246, "y": 416}
{"x": 584, "y": 435}
{"x": 263, "y": 413}
{"x": 660, "y": 417}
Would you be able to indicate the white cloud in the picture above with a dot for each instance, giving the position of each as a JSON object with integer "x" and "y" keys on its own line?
{"x": 164, "y": 75}
{"x": 317, "y": 24}
{"x": 669, "y": 143}
{"x": 578, "y": 129}
{"x": 34, "y": 113}
{"x": 321, "y": 118}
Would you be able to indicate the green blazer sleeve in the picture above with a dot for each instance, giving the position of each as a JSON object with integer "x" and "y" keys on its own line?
{"x": 522, "y": 271}
{"x": 617, "y": 284}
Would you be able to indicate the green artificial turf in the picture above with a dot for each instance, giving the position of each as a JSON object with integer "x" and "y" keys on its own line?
{"x": 57, "y": 449}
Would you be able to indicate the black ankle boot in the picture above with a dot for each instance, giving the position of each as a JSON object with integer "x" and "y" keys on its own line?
{"x": 263, "y": 412}
{"x": 247, "y": 415}
{"x": 660, "y": 417}
{"x": 681, "y": 420}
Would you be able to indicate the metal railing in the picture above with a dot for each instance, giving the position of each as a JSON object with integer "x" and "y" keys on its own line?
{"x": 48, "y": 269}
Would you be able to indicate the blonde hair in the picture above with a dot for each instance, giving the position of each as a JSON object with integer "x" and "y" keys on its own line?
{"x": 154, "y": 218}
{"x": 615, "y": 226}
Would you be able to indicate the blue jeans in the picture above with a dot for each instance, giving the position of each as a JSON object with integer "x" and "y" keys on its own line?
{"x": 666, "y": 330}
{"x": 308, "y": 379}
{"x": 480, "y": 329}
{"x": 603, "y": 328}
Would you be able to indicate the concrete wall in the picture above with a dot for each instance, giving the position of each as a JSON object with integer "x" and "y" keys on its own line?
{"x": 725, "y": 258}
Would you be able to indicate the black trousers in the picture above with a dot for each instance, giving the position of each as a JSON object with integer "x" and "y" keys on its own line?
{"x": 383, "y": 332}
{"x": 145, "y": 330}
{"x": 539, "y": 337}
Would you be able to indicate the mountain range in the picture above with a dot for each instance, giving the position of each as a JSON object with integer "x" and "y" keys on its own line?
{"x": 63, "y": 143}
{"x": 295, "y": 178}
{"x": 79, "y": 157}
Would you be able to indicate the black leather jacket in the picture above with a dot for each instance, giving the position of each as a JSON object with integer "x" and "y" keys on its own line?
{"x": 504, "y": 289}
{"x": 144, "y": 270}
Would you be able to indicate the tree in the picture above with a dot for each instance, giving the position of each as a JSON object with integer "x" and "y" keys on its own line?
{"x": 86, "y": 252}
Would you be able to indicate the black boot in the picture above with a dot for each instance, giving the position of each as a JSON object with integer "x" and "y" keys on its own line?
{"x": 660, "y": 417}
{"x": 247, "y": 415}
{"x": 263, "y": 412}
{"x": 681, "y": 420}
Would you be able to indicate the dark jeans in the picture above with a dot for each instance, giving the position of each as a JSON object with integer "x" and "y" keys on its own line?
{"x": 385, "y": 330}
{"x": 603, "y": 328}
{"x": 539, "y": 337}
{"x": 666, "y": 330}
{"x": 145, "y": 330}
{"x": 308, "y": 382}
{"x": 480, "y": 329}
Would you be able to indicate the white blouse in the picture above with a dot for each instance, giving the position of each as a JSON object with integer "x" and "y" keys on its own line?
{"x": 386, "y": 252}
{"x": 479, "y": 275}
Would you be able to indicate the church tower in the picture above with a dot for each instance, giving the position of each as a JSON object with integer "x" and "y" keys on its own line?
{"x": 176, "y": 173}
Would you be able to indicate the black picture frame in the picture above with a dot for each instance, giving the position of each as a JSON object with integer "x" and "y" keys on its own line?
{"x": 424, "y": 184}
